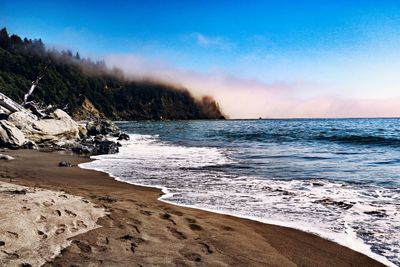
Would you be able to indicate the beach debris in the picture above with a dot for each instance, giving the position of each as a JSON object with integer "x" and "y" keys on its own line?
{"x": 64, "y": 164}
{"x": 123, "y": 136}
{"x": 6, "y": 157}
{"x": 8, "y": 106}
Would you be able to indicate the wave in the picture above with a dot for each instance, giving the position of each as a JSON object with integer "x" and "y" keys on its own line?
{"x": 361, "y": 139}
{"x": 287, "y": 137}
{"x": 363, "y": 218}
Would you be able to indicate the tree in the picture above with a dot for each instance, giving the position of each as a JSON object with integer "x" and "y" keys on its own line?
{"x": 4, "y": 39}
{"x": 15, "y": 40}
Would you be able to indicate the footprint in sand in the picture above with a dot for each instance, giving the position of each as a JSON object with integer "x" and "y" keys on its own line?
{"x": 60, "y": 229}
{"x": 70, "y": 213}
{"x": 47, "y": 204}
{"x": 11, "y": 256}
{"x": 41, "y": 219}
{"x": 146, "y": 212}
{"x": 176, "y": 233}
{"x": 206, "y": 248}
{"x": 24, "y": 208}
{"x": 168, "y": 217}
{"x": 41, "y": 234}
{"x": 190, "y": 255}
{"x": 57, "y": 212}
{"x": 81, "y": 224}
{"x": 191, "y": 220}
{"x": 12, "y": 234}
{"x": 195, "y": 227}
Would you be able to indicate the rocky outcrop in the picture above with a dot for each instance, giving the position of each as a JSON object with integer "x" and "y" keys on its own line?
{"x": 93, "y": 146}
{"x": 87, "y": 111}
{"x": 10, "y": 136}
{"x": 56, "y": 127}
{"x": 104, "y": 127}
{"x": 58, "y": 131}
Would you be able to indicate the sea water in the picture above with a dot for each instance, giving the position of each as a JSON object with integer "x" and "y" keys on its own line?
{"x": 337, "y": 178}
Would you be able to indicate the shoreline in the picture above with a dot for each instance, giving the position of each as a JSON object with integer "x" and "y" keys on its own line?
{"x": 189, "y": 236}
{"x": 359, "y": 247}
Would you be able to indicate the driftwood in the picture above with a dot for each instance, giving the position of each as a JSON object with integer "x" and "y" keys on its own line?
{"x": 10, "y": 106}
{"x": 35, "y": 83}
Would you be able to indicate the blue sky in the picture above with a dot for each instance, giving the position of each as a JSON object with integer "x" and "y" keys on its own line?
{"x": 292, "y": 53}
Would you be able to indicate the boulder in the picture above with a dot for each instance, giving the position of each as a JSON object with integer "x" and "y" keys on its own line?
{"x": 104, "y": 127}
{"x": 60, "y": 126}
{"x": 64, "y": 164}
{"x": 105, "y": 147}
{"x": 123, "y": 136}
{"x": 30, "y": 145}
{"x": 82, "y": 149}
{"x": 10, "y": 136}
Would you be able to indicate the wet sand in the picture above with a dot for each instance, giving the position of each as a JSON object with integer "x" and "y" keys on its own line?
{"x": 139, "y": 230}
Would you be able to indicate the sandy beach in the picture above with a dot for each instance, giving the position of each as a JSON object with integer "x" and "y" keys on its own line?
{"x": 139, "y": 230}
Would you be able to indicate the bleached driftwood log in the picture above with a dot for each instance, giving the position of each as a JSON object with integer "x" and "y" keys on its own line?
{"x": 10, "y": 105}
{"x": 35, "y": 83}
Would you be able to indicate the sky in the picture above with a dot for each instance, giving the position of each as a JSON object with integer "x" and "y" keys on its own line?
{"x": 270, "y": 59}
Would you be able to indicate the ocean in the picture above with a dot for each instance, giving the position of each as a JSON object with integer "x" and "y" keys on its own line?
{"x": 337, "y": 178}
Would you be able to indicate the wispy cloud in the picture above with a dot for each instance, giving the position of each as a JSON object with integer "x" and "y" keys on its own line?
{"x": 217, "y": 42}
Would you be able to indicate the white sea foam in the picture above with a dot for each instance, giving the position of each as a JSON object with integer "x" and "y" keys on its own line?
{"x": 364, "y": 218}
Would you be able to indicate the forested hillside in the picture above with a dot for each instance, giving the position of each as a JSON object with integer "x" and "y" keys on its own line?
{"x": 89, "y": 89}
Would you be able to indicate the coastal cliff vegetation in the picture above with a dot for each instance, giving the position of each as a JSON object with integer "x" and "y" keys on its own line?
{"x": 90, "y": 90}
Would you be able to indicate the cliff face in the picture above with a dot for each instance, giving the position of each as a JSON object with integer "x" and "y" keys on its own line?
{"x": 89, "y": 90}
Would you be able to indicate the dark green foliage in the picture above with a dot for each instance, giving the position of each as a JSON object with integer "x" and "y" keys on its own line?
{"x": 70, "y": 80}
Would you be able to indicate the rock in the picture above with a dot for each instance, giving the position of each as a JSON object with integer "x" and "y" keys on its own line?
{"x": 124, "y": 136}
{"x": 10, "y": 136}
{"x": 104, "y": 127}
{"x": 6, "y": 157}
{"x": 64, "y": 164}
{"x": 82, "y": 149}
{"x": 30, "y": 145}
{"x": 82, "y": 131}
{"x": 59, "y": 126}
{"x": 330, "y": 202}
{"x": 100, "y": 138}
{"x": 105, "y": 147}
{"x": 377, "y": 213}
